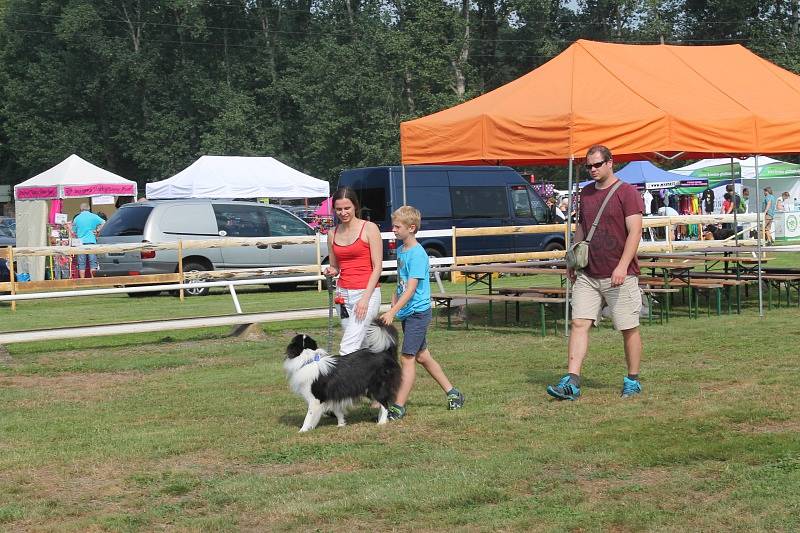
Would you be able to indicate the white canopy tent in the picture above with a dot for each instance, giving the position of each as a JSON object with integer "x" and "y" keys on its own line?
{"x": 74, "y": 177}
{"x": 238, "y": 177}
{"x": 779, "y": 175}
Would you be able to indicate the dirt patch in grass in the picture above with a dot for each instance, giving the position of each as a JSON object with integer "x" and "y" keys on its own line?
{"x": 770, "y": 426}
{"x": 71, "y": 386}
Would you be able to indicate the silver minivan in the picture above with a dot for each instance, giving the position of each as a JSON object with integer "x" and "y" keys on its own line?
{"x": 194, "y": 219}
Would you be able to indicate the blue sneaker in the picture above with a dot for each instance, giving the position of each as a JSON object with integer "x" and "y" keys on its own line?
{"x": 396, "y": 412}
{"x": 630, "y": 387}
{"x": 565, "y": 390}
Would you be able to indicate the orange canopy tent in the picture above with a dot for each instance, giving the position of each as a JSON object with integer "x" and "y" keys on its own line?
{"x": 636, "y": 99}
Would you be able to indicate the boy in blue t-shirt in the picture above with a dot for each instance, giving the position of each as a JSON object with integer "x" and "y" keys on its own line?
{"x": 411, "y": 303}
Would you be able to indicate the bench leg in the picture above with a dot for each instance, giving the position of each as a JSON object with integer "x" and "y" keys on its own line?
{"x": 738, "y": 299}
{"x": 542, "y": 318}
{"x": 769, "y": 296}
{"x": 649, "y": 309}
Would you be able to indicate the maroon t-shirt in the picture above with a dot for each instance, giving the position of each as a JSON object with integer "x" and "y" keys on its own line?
{"x": 608, "y": 241}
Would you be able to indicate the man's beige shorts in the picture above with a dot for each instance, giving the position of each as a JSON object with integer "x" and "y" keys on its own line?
{"x": 625, "y": 302}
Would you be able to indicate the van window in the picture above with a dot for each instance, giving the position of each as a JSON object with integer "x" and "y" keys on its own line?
{"x": 432, "y": 202}
{"x": 128, "y": 221}
{"x": 479, "y": 202}
{"x": 285, "y": 225}
{"x": 373, "y": 203}
{"x": 540, "y": 211}
{"x": 372, "y": 187}
{"x": 521, "y": 202}
{"x": 241, "y": 220}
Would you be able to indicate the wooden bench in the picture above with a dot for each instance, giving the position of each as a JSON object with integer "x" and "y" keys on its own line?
{"x": 450, "y": 300}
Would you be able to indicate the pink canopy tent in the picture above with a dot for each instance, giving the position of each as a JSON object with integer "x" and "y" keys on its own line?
{"x": 74, "y": 178}
{"x": 325, "y": 209}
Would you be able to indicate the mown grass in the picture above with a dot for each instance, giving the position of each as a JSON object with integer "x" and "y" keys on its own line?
{"x": 193, "y": 430}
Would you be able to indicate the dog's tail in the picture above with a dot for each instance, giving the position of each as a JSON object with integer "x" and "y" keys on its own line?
{"x": 380, "y": 337}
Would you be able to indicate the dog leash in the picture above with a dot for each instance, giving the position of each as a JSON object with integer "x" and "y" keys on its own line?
{"x": 331, "y": 288}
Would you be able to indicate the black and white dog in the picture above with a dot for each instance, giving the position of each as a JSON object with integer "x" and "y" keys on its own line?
{"x": 332, "y": 383}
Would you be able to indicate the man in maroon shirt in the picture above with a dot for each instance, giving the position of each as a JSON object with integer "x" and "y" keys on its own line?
{"x": 610, "y": 278}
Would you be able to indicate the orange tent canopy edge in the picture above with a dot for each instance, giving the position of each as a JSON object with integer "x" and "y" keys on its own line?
{"x": 638, "y": 100}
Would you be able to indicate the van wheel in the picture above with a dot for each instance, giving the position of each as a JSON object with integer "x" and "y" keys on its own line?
{"x": 553, "y": 246}
{"x": 434, "y": 253}
{"x": 191, "y": 266}
{"x": 143, "y": 294}
{"x": 283, "y": 287}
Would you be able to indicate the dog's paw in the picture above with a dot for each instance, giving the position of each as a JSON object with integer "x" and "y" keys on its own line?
{"x": 341, "y": 423}
{"x": 304, "y": 430}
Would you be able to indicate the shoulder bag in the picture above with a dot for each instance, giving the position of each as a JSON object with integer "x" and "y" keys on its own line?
{"x": 578, "y": 253}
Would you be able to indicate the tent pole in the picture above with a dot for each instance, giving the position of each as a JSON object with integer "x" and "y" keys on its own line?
{"x": 735, "y": 208}
{"x": 403, "y": 174}
{"x": 758, "y": 242}
{"x": 568, "y": 240}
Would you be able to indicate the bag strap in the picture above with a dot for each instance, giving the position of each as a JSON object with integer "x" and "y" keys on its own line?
{"x": 602, "y": 208}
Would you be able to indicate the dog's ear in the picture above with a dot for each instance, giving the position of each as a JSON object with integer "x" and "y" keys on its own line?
{"x": 295, "y": 347}
{"x": 309, "y": 343}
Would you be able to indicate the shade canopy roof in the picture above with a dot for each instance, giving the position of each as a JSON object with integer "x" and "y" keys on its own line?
{"x": 768, "y": 168}
{"x": 74, "y": 178}
{"x": 635, "y": 99}
{"x": 646, "y": 175}
{"x": 238, "y": 177}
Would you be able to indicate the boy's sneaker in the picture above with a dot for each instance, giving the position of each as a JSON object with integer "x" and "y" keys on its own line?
{"x": 630, "y": 387}
{"x": 455, "y": 400}
{"x": 565, "y": 390}
{"x": 396, "y": 412}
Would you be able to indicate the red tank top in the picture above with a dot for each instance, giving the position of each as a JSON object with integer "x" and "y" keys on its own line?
{"x": 355, "y": 263}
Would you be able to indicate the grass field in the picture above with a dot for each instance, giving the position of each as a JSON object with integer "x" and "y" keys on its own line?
{"x": 195, "y": 431}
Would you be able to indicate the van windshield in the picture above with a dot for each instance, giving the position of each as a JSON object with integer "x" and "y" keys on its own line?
{"x": 127, "y": 221}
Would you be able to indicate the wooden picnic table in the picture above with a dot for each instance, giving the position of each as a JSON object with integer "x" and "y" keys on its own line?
{"x": 482, "y": 274}
{"x": 746, "y": 263}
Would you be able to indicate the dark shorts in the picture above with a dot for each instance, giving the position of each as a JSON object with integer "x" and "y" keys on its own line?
{"x": 415, "y": 329}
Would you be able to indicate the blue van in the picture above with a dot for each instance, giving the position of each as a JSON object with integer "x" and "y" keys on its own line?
{"x": 460, "y": 196}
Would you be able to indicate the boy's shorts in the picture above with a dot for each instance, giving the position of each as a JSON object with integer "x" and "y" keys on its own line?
{"x": 415, "y": 329}
{"x": 625, "y": 302}
{"x": 82, "y": 262}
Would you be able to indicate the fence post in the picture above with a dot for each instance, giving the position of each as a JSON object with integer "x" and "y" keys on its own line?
{"x": 319, "y": 264}
{"x": 180, "y": 268}
{"x": 12, "y": 277}
{"x": 454, "y": 246}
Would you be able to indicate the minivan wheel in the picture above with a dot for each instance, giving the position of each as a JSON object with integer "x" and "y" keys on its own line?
{"x": 191, "y": 266}
{"x": 553, "y": 246}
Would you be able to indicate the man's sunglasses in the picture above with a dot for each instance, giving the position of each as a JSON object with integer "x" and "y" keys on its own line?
{"x": 590, "y": 166}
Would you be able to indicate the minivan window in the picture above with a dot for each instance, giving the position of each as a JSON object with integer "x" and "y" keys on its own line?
{"x": 434, "y": 202}
{"x": 479, "y": 202}
{"x": 241, "y": 220}
{"x": 285, "y": 225}
{"x": 127, "y": 221}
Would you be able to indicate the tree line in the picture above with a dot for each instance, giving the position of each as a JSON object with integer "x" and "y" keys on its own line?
{"x": 144, "y": 87}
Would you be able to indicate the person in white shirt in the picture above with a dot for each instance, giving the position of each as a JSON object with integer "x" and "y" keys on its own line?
{"x": 667, "y": 211}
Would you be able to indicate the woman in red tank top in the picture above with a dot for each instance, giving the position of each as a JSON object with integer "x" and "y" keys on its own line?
{"x": 356, "y": 256}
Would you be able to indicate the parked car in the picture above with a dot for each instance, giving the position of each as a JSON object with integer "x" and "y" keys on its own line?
{"x": 172, "y": 220}
{"x": 460, "y": 196}
{"x": 8, "y": 231}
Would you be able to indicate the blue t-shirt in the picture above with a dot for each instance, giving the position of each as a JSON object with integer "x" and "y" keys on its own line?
{"x": 84, "y": 225}
{"x": 413, "y": 263}
{"x": 771, "y": 200}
